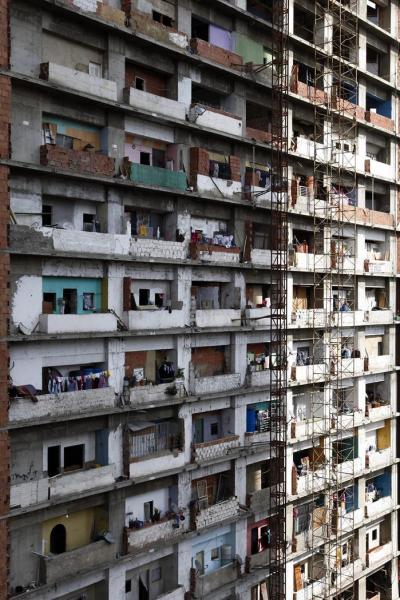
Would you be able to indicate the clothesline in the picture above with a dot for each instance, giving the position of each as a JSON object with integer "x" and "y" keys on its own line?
{"x": 58, "y": 384}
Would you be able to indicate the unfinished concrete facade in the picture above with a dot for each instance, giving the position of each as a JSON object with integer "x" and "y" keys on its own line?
{"x": 137, "y": 331}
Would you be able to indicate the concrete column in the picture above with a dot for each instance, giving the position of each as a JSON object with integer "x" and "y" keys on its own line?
{"x": 361, "y": 296}
{"x": 393, "y": 202}
{"x": 241, "y": 539}
{"x": 362, "y": 545}
{"x": 115, "y": 275}
{"x": 185, "y": 413}
{"x": 116, "y": 582}
{"x": 289, "y": 296}
{"x": 184, "y": 488}
{"x": 360, "y": 390}
{"x": 115, "y": 70}
{"x": 395, "y": 577}
{"x": 115, "y": 352}
{"x": 362, "y": 95}
{"x": 392, "y": 391}
{"x": 180, "y": 290}
{"x": 184, "y": 563}
{"x": 362, "y": 588}
{"x": 114, "y": 143}
{"x": 184, "y": 18}
{"x": 239, "y": 346}
{"x": 289, "y": 465}
{"x": 240, "y": 416}
{"x": 183, "y": 356}
{"x": 362, "y": 50}
{"x": 113, "y": 210}
{"x": 240, "y": 480}
{"x": 361, "y": 195}
{"x": 291, "y": 17}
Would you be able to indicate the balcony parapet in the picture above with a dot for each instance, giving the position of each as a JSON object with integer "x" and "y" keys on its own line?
{"x": 215, "y": 449}
{"x": 79, "y": 80}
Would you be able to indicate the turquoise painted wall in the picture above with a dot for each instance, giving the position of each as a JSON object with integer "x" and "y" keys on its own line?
{"x": 64, "y": 124}
{"x": 56, "y": 285}
{"x": 211, "y": 541}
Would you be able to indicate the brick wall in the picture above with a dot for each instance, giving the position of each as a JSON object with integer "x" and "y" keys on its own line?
{"x": 208, "y": 361}
{"x": 5, "y": 152}
{"x": 215, "y": 53}
{"x": 155, "y": 83}
{"x": 79, "y": 161}
{"x": 200, "y": 165}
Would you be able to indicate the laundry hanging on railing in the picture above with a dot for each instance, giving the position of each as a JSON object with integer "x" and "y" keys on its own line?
{"x": 58, "y": 383}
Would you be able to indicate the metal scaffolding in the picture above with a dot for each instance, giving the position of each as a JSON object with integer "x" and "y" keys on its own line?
{"x": 333, "y": 401}
{"x": 278, "y": 320}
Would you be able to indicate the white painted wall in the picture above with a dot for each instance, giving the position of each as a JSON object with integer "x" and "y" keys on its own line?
{"x": 26, "y": 302}
{"x": 88, "y": 439}
{"x": 135, "y": 504}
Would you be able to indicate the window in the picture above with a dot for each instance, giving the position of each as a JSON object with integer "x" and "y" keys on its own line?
{"x": 88, "y": 301}
{"x": 214, "y": 429}
{"x": 74, "y": 457}
{"x": 47, "y": 211}
{"x": 140, "y": 84}
{"x": 215, "y": 554}
{"x": 128, "y": 586}
{"x": 374, "y": 534}
{"x": 89, "y": 222}
{"x": 53, "y": 461}
{"x": 95, "y": 69}
{"x": 49, "y": 303}
{"x": 148, "y": 509}
{"x": 145, "y": 158}
{"x": 144, "y": 297}
{"x": 160, "y": 18}
{"x": 155, "y": 575}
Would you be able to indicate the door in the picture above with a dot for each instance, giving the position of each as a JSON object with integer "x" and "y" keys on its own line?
{"x": 102, "y": 447}
{"x": 198, "y": 433}
{"x": 53, "y": 461}
{"x": 70, "y": 300}
{"x": 58, "y": 539}
{"x": 199, "y": 562}
{"x": 144, "y": 593}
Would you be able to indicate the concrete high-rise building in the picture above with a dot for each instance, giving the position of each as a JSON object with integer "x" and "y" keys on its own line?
{"x": 198, "y": 221}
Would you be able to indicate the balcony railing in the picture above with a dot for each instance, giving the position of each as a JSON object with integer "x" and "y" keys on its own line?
{"x": 157, "y": 176}
{"x": 156, "y": 104}
{"x": 378, "y": 413}
{"x": 153, "y": 248}
{"x": 314, "y": 589}
{"x": 379, "y": 555}
{"x": 221, "y": 511}
{"x": 80, "y": 161}
{"x": 379, "y": 458}
{"x": 61, "y": 405}
{"x": 215, "y": 449}
{"x": 206, "y": 584}
{"x": 259, "y": 318}
{"x": 213, "y": 253}
{"x": 153, "y": 394}
{"x": 223, "y": 317}
{"x": 70, "y": 564}
{"x": 372, "y": 509}
{"x": 216, "y": 119}
{"x": 90, "y": 323}
{"x": 155, "y": 533}
{"x": 79, "y": 80}
{"x": 215, "y": 384}
{"x": 137, "y": 320}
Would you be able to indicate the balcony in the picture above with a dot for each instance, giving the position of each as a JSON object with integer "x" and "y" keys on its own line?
{"x": 215, "y": 186}
{"x": 310, "y": 591}
{"x": 310, "y": 149}
{"x": 70, "y": 564}
{"x": 37, "y": 491}
{"x": 308, "y": 373}
{"x": 379, "y": 555}
{"x": 158, "y": 105}
{"x": 261, "y": 559}
{"x": 376, "y": 412}
{"x": 379, "y": 169}
{"x": 220, "y": 448}
{"x": 380, "y": 363}
{"x": 78, "y": 161}
{"x": 375, "y": 267}
{"x": 309, "y": 482}
{"x": 305, "y": 261}
{"x": 79, "y": 80}
{"x": 65, "y": 240}
{"x": 373, "y": 509}
{"x": 308, "y": 318}
{"x": 348, "y": 367}
{"x": 156, "y": 394}
{"x": 153, "y": 248}
{"x": 159, "y": 177}
{"x": 215, "y": 514}
{"x": 366, "y": 216}
{"x": 61, "y": 405}
{"x": 261, "y": 257}
{"x": 206, "y": 584}
{"x": 349, "y": 420}
{"x": 215, "y": 54}
{"x": 218, "y": 120}
{"x": 90, "y": 323}
{"x": 345, "y": 574}
{"x": 138, "y": 320}
{"x": 214, "y": 384}
{"x": 260, "y": 378}
{"x": 378, "y": 459}
{"x": 258, "y": 500}
{"x": 307, "y": 428}
{"x": 213, "y": 253}
{"x": 152, "y": 534}
{"x": 223, "y": 317}
{"x": 379, "y": 120}
{"x": 347, "y": 318}
{"x": 379, "y": 317}
{"x": 349, "y": 469}
{"x": 258, "y": 318}
{"x": 348, "y": 521}
{"x": 145, "y": 24}
{"x": 177, "y": 594}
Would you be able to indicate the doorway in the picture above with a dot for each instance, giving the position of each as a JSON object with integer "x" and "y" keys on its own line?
{"x": 70, "y": 300}
{"x": 53, "y": 461}
{"x": 58, "y": 539}
{"x": 144, "y": 592}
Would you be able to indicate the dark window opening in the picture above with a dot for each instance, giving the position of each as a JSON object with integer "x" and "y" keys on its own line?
{"x": 145, "y": 158}
{"x": 49, "y": 303}
{"x": 159, "y": 300}
{"x": 58, "y": 539}
{"x": 128, "y": 586}
{"x": 53, "y": 461}
{"x": 74, "y": 457}
{"x": 47, "y": 214}
{"x": 90, "y": 223}
{"x": 200, "y": 29}
{"x": 140, "y": 84}
{"x": 214, "y": 429}
{"x": 70, "y": 299}
{"x": 164, "y": 19}
{"x": 144, "y": 297}
{"x": 159, "y": 159}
